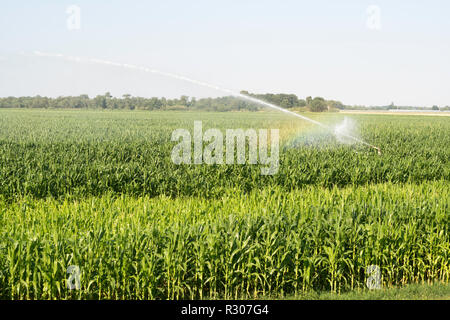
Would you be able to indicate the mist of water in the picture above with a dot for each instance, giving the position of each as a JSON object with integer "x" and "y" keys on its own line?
{"x": 340, "y": 133}
{"x": 344, "y": 129}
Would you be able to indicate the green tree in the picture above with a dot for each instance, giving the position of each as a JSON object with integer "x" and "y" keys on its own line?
{"x": 301, "y": 103}
{"x": 184, "y": 101}
{"x": 285, "y": 103}
{"x": 318, "y": 104}
{"x": 99, "y": 102}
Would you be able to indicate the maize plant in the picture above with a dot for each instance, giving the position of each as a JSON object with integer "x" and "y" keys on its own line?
{"x": 92, "y": 207}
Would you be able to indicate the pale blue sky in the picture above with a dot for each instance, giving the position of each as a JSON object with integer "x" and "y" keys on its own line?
{"x": 317, "y": 48}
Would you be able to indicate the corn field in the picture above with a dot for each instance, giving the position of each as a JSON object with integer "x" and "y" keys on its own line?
{"x": 98, "y": 190}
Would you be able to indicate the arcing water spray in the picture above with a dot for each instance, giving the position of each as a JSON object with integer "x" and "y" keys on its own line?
{"x": 204, "y": 84}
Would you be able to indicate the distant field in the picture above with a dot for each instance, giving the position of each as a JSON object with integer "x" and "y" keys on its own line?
{"x": 403, "y": 112}
{"x": 98, "y": 189}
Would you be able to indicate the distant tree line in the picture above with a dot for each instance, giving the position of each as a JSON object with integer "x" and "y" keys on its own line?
{"x": 288, "y": 101}
{"x": 107, "y": 101}
{"x": 229, "y": 103}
